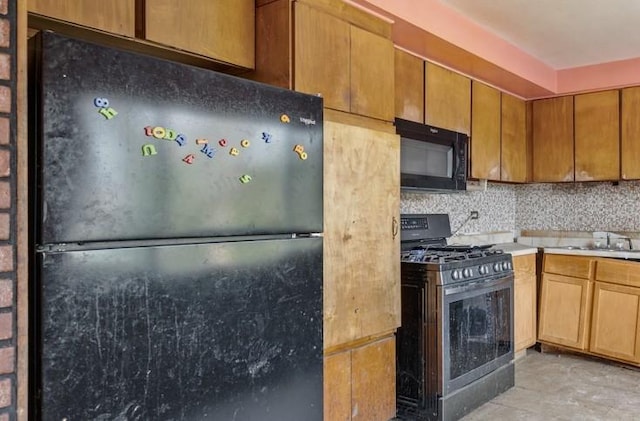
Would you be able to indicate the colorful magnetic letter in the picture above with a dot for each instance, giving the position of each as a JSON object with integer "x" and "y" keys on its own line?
{"x": 245, "y": 143}
{"x": 266, "y": 137}
{"x": 108, "y": 113}
{"x": 303, "y": 155}
{"x": 181, "y": 139}
{"x": 189, "y": 158}
{"x": 234, "y": 152}
{"x": 101, "y": 102}
{"x": 201, "y": 141}
{"x": 245, "y": 178}
{"x": 298, "y": 149}
{"x": 159, "y": 132}
{"x": 208, "y": 150}
{"x": 284, "y": 118}
{"x": 222, "y": 142}
{"x": 148, "y": 150}
{"x": 148, "y": 131}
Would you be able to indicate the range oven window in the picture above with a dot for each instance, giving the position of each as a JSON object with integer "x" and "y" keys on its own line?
{"x": 479, "y": 330}
{"x": 426, "y": 158}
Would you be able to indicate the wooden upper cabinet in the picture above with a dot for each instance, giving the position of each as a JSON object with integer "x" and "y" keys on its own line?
{"x": 552, "y": 123}
{"x": 221, "y": 29}
{"x": 485, "y": 132}
{"x": 597, "y": 136}
{"x": 372, "y": 75}
{"x": 447, "y": 99}
{"x": 409, "y": 86}
{"x": 116, "y": 16}
{"x": 330, "y": 48}
{"x": 515, "y": 143}
{"x": 322, "y": 54}
{"x": 630, "y": 134}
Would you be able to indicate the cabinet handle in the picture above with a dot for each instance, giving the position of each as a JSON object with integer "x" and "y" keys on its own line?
{"x": 394, "y": 227}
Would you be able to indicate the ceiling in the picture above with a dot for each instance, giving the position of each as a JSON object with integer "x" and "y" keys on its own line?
{"x": 561, "y": 33}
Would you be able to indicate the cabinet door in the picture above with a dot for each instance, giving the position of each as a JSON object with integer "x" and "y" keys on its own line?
{"x": 525, "y": 308}
{"x": 374, "y": 381}
{"x": 337, "y": 386}
{"x": 630, "y": 134}
{"x": 447, "y": 99}
{"x": 409, "y": 86}
{"x": 372, "y": 75}
{"x": 553, "y": 139}
{"x": 322, "y": 55}
{"x": 117, "y": 16}
{"x": 597, "y": 136}
{"x": 223, "y": 29}
{"x": 514, "y": 146}
{"x": 565, "y": 310}
{"x": 615, "y": 330}
{"x": 361, "y": 248}
{"x": 485, "y": 132}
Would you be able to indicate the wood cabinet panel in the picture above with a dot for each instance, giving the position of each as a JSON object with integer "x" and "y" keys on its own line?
{"x": 618, "y": 272}
{"x": 525, "y": 301}
{"x": 273, "y": 46}
{"x": 447, "y": 99}
{"x": 597, "y": 136}
{"x": 615, "y": 329}
{"x": 552, "y": 128}
{"x": 337, "y": 387}
{"x": 630, "y": 134}
{"x": 564, "y": 310}
{"x": 372, "y": 75}
{"x": 221, "y": 29}
{"x": 409, "y": 86}
{"x": 322, "y": 56}
{"x": 361, "y": 253}
{"x": 485, "y": 132}
{"x": 374, "y": 381}
{"x": 576, "y": 266}
{"x": 514, "y": 146}
{"x": 117, "y": 16}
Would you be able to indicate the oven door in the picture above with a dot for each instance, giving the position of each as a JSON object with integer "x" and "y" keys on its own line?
{"x": 477, "y": 330}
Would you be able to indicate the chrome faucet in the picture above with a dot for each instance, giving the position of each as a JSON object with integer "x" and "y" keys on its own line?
{"x": 630, "y": 243}
{"x": 608, "y": 240}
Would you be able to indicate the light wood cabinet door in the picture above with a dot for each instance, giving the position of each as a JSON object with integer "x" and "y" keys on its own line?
{"x": 361, "y": 246}
{"x": 615, "y": 329}
{"x": 117, "y": 16}
{"x": 514, "y": 146}
{"x": 374, "y": 381}
{"x": 221, "y": 29}
{"x": 575, "y": 266}
{"x": 565, "y": 311}
{"x": 597, "y": 136}
{"x": 630, "y": 134}
{"x": 485, "y": 132}
{"x": 525, "y": 301}
{"x": 553, "y": 139}
{"x": 409, "y": 86}
{"x": 447, "y": 99}
{"x": 337, "y": 386}
{"x": 372, "y": 75}
{"x": 322, "y": 56}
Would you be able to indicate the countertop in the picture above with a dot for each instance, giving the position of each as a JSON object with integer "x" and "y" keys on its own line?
{"x": 616, "y": 254}
{"x": 516, "y": 249}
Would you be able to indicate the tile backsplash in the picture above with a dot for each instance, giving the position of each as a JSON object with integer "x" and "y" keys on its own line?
{"x": 593, "y": 206}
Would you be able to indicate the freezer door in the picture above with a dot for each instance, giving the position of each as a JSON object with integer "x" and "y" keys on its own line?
{"x": 134, "y": 147}
{"x": 228, "y": 331}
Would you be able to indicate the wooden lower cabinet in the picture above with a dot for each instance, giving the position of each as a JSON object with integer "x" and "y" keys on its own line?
{"x": 564, "y": 310}
{"x": 360, "y": 383}
{"x": 615, "y": 329}
{"x": 525, "y": 301}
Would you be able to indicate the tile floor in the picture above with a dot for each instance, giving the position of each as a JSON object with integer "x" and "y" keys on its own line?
{"x": 553, "y": 386}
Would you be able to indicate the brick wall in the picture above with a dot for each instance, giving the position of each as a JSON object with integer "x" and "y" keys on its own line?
{"x": 8, "y": 232}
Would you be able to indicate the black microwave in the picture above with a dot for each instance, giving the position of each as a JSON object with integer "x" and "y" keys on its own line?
{"x": 431, "y": 158}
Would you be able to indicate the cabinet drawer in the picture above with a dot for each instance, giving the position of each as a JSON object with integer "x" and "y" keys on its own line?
{"x": 618, "y": 272}
{"x": 525, "y": 264}
{"x": 576, "y": 266}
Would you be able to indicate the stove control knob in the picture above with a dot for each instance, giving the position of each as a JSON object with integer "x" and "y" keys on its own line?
{"x": 483, "y": 269}
{"x": 509, "y": 266}
{"x": 467, "y": 272}
{"x": 505, "y": 265}
{"x": 456, "y": 274}
{"x": 497, "y": 267}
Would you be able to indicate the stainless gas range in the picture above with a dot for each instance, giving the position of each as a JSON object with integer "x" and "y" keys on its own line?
{"x": 455, "y": 346}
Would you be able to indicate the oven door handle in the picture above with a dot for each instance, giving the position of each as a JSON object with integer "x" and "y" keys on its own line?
{"x": 478, "y": 285}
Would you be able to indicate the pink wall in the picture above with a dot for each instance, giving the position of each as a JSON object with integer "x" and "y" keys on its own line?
{"x": 440, "y": 20}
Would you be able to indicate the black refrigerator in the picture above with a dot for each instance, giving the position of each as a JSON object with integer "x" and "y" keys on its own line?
{"x": 177, "y": 240}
